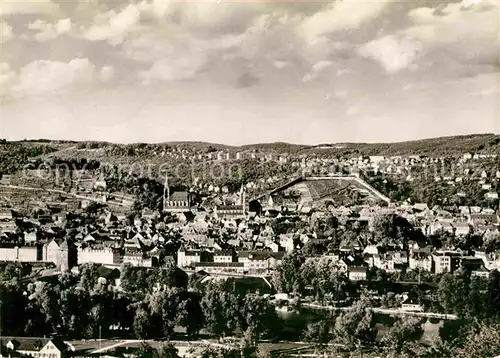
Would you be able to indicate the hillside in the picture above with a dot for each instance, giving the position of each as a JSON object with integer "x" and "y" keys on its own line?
{"x": 442, "y": 146}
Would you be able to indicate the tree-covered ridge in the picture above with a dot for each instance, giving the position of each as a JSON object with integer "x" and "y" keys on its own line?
{"x": 13, "y": 155}
{"x": 434, "y": 147}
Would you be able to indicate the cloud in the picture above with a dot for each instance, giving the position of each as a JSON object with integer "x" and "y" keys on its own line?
{"x": 106, "y": 73}
{"x": 467, "y": 31}
{"x": 47, "y": 31}
{"x": 394, "y": 54}
{"x": 316, "y": 70}
{"x": 341, "y": 15}
{"x": 171, "y": 69}
{"x": 247, "y": 79}
{"x": 5, "y": 32}
{"x": 280, "y": 64}
{"x": 114, "y": 26}
{"x": 48, "y": 7}
{"x": 7, "y": 76}
{"x": 45, "y": 77}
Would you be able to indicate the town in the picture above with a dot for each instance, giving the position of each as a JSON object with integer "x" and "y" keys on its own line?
{"x": 195, "y": 249}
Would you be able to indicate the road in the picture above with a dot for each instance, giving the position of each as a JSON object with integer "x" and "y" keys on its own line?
{"x": 388, "y": 311}
{"x": 123, "y": 343}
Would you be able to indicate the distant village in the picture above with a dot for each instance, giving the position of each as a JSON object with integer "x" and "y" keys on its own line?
{"x": 231, "y": 233}
{"x": 332, "y": 211}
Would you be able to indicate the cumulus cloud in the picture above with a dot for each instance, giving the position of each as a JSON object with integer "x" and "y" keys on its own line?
{"x": 6, "y": 74}
{"x": 106, "y": 73}
{"x": 468, "y": 31}
{"x": 316, "y": 70}
{"x": 280, "y": 64}
{"x": 341, "y": 15}
{"x": 170, "y": 69}
{"x": 47, "y": 31}
{"x": 114, "y": 26}
{"x": 34, "y": 7}
{"x": 45, "y": 77}
{"x": 393, "y": 53}
{"x": 5, "y": 32}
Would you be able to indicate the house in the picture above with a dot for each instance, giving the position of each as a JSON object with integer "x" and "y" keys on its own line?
{"x": 482, "y": 272}
{"x": 421, "y": 259}
{"x": 230, "y": 212}
{"x": 62, "y": 253}
{"x": 224, "y": 256}
{"x": 357, "y": 273}
{"x": 178, "y": 202}
{"x": 21, "y": 253}
{"x": 274, "y": 247}
{"x": 445, "y": 261}
{"x": 98, "y": 254}
{"x": 420, "y": 207}
{"x": 491, "y": 196}
{"x": 286, "y": 241}
{"x": 138, "y": 259}
{"x": 189, "y": 257}
{"x": 471, "y": 263}
{"x": 5, "y": 214}
{"x": 411, "y": 304}
{"x": 461, "y": 228}
{"x": 259, "y": 261}
{"x": 36, "y": 347}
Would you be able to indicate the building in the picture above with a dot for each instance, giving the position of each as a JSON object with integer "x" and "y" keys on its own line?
{"x": 220, "y": 267}
{"x": 259, "y": 261}
{"x": 24, "y": 253}
{"x": 99, "y": 255}
{"x": 445, "y": 261}
{"x": 138, "y": 259}
{"x": 357, "y": 273}
{"x": 35, "y": 347}
{"x": 187, "y": 258}
{"x": 410, "y": 304}
{"x": 421, "y": 259}
{"x": 62, "y": 253}
{"x": 230, "y": 212}
{"x": 178, "y": 202}
{"x": 223, "y": 256}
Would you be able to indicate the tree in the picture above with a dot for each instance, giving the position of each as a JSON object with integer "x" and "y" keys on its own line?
{"x": 286, "y": 277}
{"x": 163, "y": 306}
{"x": 493, "y": 299}
{"x": 190, "y": 315}
{"x": 89, "y": 276}
{"x": 146, "y": 351}
{"x": 318, "y": 334}
{"x": 222, "y": 309}
{"x": 452, "y": 292}
{"x": 402, "y": 334}
{"x": 168, "y": 350}
{"x": 482, "y": 340}
{"x": 142, "y": 324}
{"x": 355, "y": 327}
{"x": 258, "y": 315}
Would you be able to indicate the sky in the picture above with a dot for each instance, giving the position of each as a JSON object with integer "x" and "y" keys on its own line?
{"x": 242, "y": 71}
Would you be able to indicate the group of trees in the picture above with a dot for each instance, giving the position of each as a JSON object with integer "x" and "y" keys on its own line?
{"x": 356, "y": 329}
{"x": 13, "y": 156}
{"x": 318, "y": 278}
{"x": 150, "y": 304}
{"x": 470, "y": 297}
